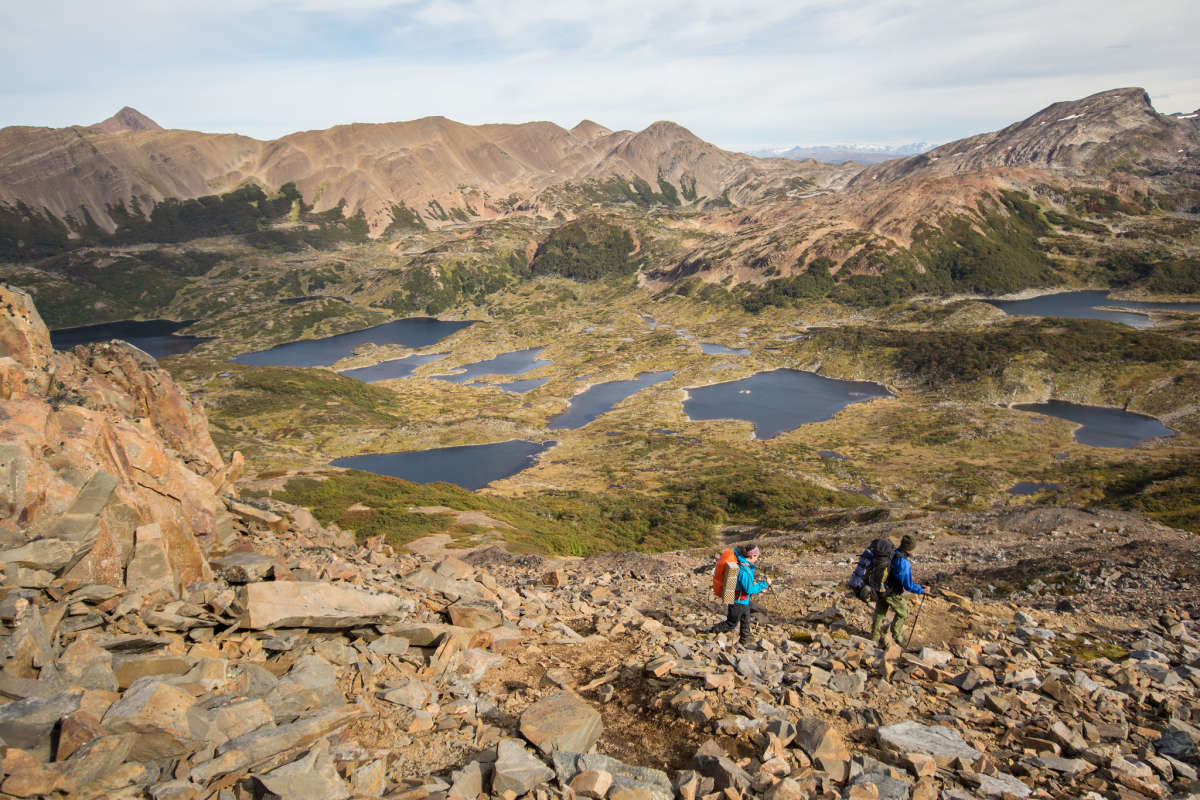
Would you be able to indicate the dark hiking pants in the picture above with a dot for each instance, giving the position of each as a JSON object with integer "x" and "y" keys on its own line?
{"x": 737, "y": 615}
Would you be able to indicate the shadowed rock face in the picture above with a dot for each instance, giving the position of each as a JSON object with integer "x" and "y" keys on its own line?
{"x": 94, "y": 444}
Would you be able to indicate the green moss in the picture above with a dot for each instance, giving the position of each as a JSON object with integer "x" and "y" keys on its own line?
{"x": 1086, "y": 649}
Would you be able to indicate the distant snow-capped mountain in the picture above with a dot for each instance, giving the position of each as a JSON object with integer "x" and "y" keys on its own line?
{"x": 841, "y": 153}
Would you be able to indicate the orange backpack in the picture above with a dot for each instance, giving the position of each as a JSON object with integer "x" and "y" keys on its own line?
{"x": 719, "y": 573}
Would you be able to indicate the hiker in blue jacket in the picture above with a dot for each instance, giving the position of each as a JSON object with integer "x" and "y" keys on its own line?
{"x": 899, "y": 580}
{"x": 740, "y": 586}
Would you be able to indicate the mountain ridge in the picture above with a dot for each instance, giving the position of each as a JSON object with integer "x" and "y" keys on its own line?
{"x": 86, "y": 171}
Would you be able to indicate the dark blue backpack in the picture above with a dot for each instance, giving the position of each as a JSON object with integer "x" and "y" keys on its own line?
{"x": 866, "y": 582}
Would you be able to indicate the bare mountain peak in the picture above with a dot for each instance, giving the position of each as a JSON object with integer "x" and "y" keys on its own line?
{"x": 667, "y": 128}
{"x": 1117, "y": 107}
{"x": 127, "y": 119}
{"x": 589, "y": 130}
{"x": 1074, "y": 137}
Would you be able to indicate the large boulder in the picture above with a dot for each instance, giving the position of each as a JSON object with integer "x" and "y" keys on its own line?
{"x": 30, "y": 723}
{"x": 568, "y": 765}
{"x": 313, "y": 775}
{"x": 163, "y": 719}
{"x": 516, "y": 769}
{"x": 561, "y": 721}
{"x": 944, "y": 744}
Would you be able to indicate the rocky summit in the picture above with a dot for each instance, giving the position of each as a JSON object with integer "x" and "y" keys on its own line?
{"x": 162, "y": 638}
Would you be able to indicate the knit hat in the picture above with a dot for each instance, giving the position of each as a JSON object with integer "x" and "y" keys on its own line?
{"x": 907, "y": 543}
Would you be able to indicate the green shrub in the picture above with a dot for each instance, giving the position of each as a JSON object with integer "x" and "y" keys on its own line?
{"x": 586, "y": 249}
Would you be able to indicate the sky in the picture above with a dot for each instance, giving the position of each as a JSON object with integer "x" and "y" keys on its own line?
{"x": 744, "y": 75}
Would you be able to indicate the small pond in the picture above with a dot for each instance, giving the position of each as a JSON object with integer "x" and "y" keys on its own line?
{"x": 1083, "y": 305}
{"x": 390, "y": 370}
{"x": 470, "y": 466}
{"x": 720, "y": 349}
{"x": 779, "y": 400}
{"x": 154, "y": 336}
{"x": 413, "y": 332}
{"x": 1025, "y": 488}
{"x": 1102, "y": 427}
{"x": 593, "y": 402}
{"x": 513, "y": 363}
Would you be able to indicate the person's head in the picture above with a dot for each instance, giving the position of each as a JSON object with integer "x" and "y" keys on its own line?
{"x": 907, "y": 543}
{"x": 750, "y": 552}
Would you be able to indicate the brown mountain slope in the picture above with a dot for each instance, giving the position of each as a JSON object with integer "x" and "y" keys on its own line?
{"x": 1112, "y": 144}
{"x": 423, "y": 164}
{"x": 64, "y": 169}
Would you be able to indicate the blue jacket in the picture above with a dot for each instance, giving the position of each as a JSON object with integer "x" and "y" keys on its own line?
{"x": 900, "y": 579}
{"x": 746, "y": 585}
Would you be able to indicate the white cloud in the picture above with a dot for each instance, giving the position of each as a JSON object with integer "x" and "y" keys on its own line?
{"x": 750, "y": 74}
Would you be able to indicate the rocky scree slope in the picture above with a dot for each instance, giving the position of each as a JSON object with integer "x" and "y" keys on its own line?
{"x": 280, "y": 658}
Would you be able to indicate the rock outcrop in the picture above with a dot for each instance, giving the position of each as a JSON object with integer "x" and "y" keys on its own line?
{"x": 106, "y": 467}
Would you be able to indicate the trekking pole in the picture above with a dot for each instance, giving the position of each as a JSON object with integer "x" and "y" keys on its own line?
{"x": 778, "y": 605}
{"x": 916, "y": 617}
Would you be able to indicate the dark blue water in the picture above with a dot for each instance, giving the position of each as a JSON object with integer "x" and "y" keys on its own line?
{"x": 413, "y": 332}
{"x": 589, "y": 404}
{"x": 153, "y": 336}
{"x": 513, "y": 363}
{"x": 1027, "y": 488}
{"x": 720, "y": 349}
{"x": 390, "y": 370}
{"x": 778, "y": 401}
{"x": 1082, "y": 305}
{"x": 1102, "y": 427}
{"x": 471, "y": 466}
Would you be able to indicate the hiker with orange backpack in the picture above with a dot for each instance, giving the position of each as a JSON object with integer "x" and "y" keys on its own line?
{"x": 733, "y": 581}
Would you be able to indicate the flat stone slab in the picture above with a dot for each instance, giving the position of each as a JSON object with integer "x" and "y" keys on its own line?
{"x": 1002, "y": 785}
{"x": 561, "y": 721}
{"x": 944, "y": 744}
{"x": 303, "y": 604}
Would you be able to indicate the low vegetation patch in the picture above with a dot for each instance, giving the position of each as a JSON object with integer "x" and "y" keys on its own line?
{"x": 571, "y": 523}
{"x": 586, "y": 249}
